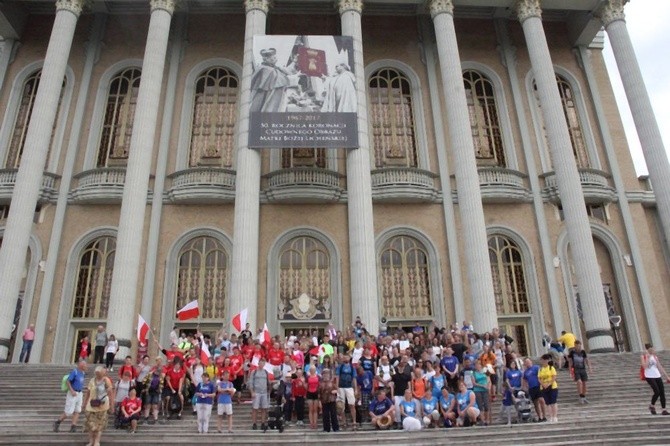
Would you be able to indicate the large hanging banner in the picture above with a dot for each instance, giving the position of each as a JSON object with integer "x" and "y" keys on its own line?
{"x": 303, "y": 93}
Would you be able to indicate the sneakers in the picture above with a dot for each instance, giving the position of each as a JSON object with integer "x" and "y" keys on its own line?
{"x": 254, "y": 427}
{"x": 585, "y": 401}
{"x": 56, "y": 425}
{"x": 73, "y": 428}
{"x": 652, "y": 409}
{"x": 665, "y": 412}
{"x": 299, "y": 423}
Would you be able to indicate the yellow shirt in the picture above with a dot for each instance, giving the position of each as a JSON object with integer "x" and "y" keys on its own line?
{"x": 350, "y": 344}
{"x": 547, "y": 375}
{"x": 568, "y": 340}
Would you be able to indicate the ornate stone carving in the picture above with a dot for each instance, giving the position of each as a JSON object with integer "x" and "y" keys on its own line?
{"x": 437, "y": 7}
{"x": 261, "y": 5}
{"x": 350, "y": 5}
{"x": 611, "y": 11}
{"x": 166, "y": 5}
{"x": 526, "y": 9}
{"x": 74, "y": 6}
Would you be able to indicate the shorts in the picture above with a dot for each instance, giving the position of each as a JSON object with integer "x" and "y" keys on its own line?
{"x": 346, "y": 394}
{"x": 224, "y": 409}
{"x": 153, "y": 398}
{"x": 476, "y": 411}
{"x": 261, "y": 401}
{"x": 550, "y": 396}
{"x": 167, "y": 393}
{"x": 534, "y": 393}
{"x": 73, "y": 403}
{"x": 581, "y": 375}
{"x": 482, "y": 399}
{"x": 312, "y": 396}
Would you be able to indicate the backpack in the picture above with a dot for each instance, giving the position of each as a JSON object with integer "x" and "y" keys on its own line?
{"x": 175, "y": 403}
{"x": 63, "y": 383}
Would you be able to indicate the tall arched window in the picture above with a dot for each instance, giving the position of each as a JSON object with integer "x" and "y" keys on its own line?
{"x": 509, "y": 277}
{"x": 568, "y": 100}
{"x": 304, "y": 280}
{"x": 202, "y": 276}
{"x": 23, "y": 115}
{"x": 117, "y": 127}
{"x": 405, "y": 279}
{"x": 484, "y": 119}
{"x": 214, "y": 117}
{"x": 392, "y": 117}
{"x": 94, "y": 279}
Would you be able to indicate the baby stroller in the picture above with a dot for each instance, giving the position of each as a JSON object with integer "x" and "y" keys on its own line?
{"x": 523, "y": 405}
{"x": 276, "y": 412}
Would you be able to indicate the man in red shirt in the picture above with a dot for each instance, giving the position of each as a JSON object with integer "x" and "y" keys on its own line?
{"x": 174, "y": 380}
{"x": 128, "y": 367}
{"x": 276, "y": 355}
{"x": 237, "y": 375}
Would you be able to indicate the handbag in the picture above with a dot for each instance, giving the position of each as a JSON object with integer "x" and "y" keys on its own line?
{"x": 97, "y": 402}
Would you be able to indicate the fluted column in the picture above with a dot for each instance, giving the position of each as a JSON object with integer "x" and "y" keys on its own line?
{"x": 121, "y": 315}
{"x": 29, "y": 177}
{"x": 473, "y": 226}
{"x": 7, "y": 46}
{"x": 362, "y": 258}
{"x": 613, "y": 17}
{"x": 244, "y": 276}
{"x": 567, "y": 177}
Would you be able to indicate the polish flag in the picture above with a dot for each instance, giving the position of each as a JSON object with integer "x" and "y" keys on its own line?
{"x": 142, "y": 329}
{"x": 264, "y": 336}
{"x": 240, "y": 320}
{"x": 205, "y": 355}
{"x": 189, "y": 311}
{"x": 270, "y": 369}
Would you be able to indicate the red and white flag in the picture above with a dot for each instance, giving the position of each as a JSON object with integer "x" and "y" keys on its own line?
{"x": 205, "y": 355}
{"x": 189, "y": 311}
{"x": 264, "y": 336}
{"x": 240, "y": 320}
{"x": 270, "y": 369}
{"x": 142, "y": 329}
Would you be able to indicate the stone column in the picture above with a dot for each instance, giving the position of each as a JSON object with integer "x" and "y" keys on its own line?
{"x": 244, "y": 275}
{"x": 582, "y": 250}
{"x": 29, "y": 177}
{"x": 473, "y": 226}
{"x": 7, "y": 47}
{"x": 362, "y": 257}
{"x": 613, "y": 17}
{"x": 122, "y": 316}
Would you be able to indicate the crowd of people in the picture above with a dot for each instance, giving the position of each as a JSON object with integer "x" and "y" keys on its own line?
{"x": 416, "y": 379}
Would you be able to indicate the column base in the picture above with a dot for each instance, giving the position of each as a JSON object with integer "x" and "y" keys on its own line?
{"x": 600, "y": 340}
{"x": 602, "y": 350}
{"x": 4, "y": 350}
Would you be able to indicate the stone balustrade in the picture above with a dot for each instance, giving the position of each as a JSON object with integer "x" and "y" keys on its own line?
{"x": 202, "y": 185}
{"x": 303, "y": 185}
{"x": 502, "y": 185}
{"x": 595, "y": 186}
{"x": 48, "y": 188}
{"x": 101, "y": 185}
{"x": 404, "y": 184}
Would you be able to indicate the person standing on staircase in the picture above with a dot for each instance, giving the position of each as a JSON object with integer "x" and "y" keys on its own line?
{"x": 74, "y": 397}
{"x": 28, "y": 339}
{"x": 259, "y": 384}
{"x": 579, "y": 364}
{"x": 653, "y": 370}
{"x": 100, "y": 343}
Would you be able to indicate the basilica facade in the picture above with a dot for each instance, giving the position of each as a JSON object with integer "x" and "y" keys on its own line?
{"x": 491, "y": 181}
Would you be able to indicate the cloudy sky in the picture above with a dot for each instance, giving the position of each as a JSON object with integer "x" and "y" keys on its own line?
{"x": 647, "y": 24}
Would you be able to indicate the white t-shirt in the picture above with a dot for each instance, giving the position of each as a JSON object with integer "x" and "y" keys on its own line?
{"x": 651, "y": 371}
{"x": 356, "y": 355}
{"x": 112, "y": 347}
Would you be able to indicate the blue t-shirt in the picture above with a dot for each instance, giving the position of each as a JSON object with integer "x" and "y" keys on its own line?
{"x": 507, "y": 398}
{"x": 368, "y": 364}
{"x": 204, "y": 388}
{"x": 429, "y": 405}
{"x": 365, "y": 382}
{"x": 409, "y": 408}
{"x": 76, "y": 379}
{"x": 436, "y": 384}
{"x": 345, "y": 373}
{"x": 380, "y": 407}
{"x": 445, "y": 403}
{"x": 530, "y": 375}
{"x": 450, "y": 363}
{"x": 471, "y": 356}
{"x": 514, "y": 378}
{"x": 225, "y": 398}
{"x": 464, "y": 400}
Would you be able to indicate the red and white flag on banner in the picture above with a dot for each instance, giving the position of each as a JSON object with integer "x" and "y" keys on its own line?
{"x": 142, "y": 329}
{"x": 270, "y": 369}
{"x": 264, "y": 336}
{"x": 240, "y": 320}
{"x": 189, "y": 311}
{"x": 205, "y": 355}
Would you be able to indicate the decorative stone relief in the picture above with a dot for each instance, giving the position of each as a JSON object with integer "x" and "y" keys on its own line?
{"x": 526, "y": 9}
{"x": 261, "y": 5}
{"x": 350, "y": 5}
{"x": 166, "y": 5}
{"x": 437, "y": 7}
{"x": 74, "y": 6}
{"x": 611, "y": 11}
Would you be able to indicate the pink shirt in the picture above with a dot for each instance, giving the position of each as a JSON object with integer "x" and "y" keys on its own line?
{"x": 29, "y": 335}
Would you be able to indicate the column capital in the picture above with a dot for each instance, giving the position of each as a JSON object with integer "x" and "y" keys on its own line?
{"x": 350, "y": 5}
{"x": 611, "y": 11}
{"x": 438, "y": 7}
{"x": 260, "y": 5}
{"x": 74, "y": 6}
{"x": 165, "y": 5}
{"x": 526, "y": 9}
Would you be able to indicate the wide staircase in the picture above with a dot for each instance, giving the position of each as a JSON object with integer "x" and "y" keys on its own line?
{"x": 30, "y": 400}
